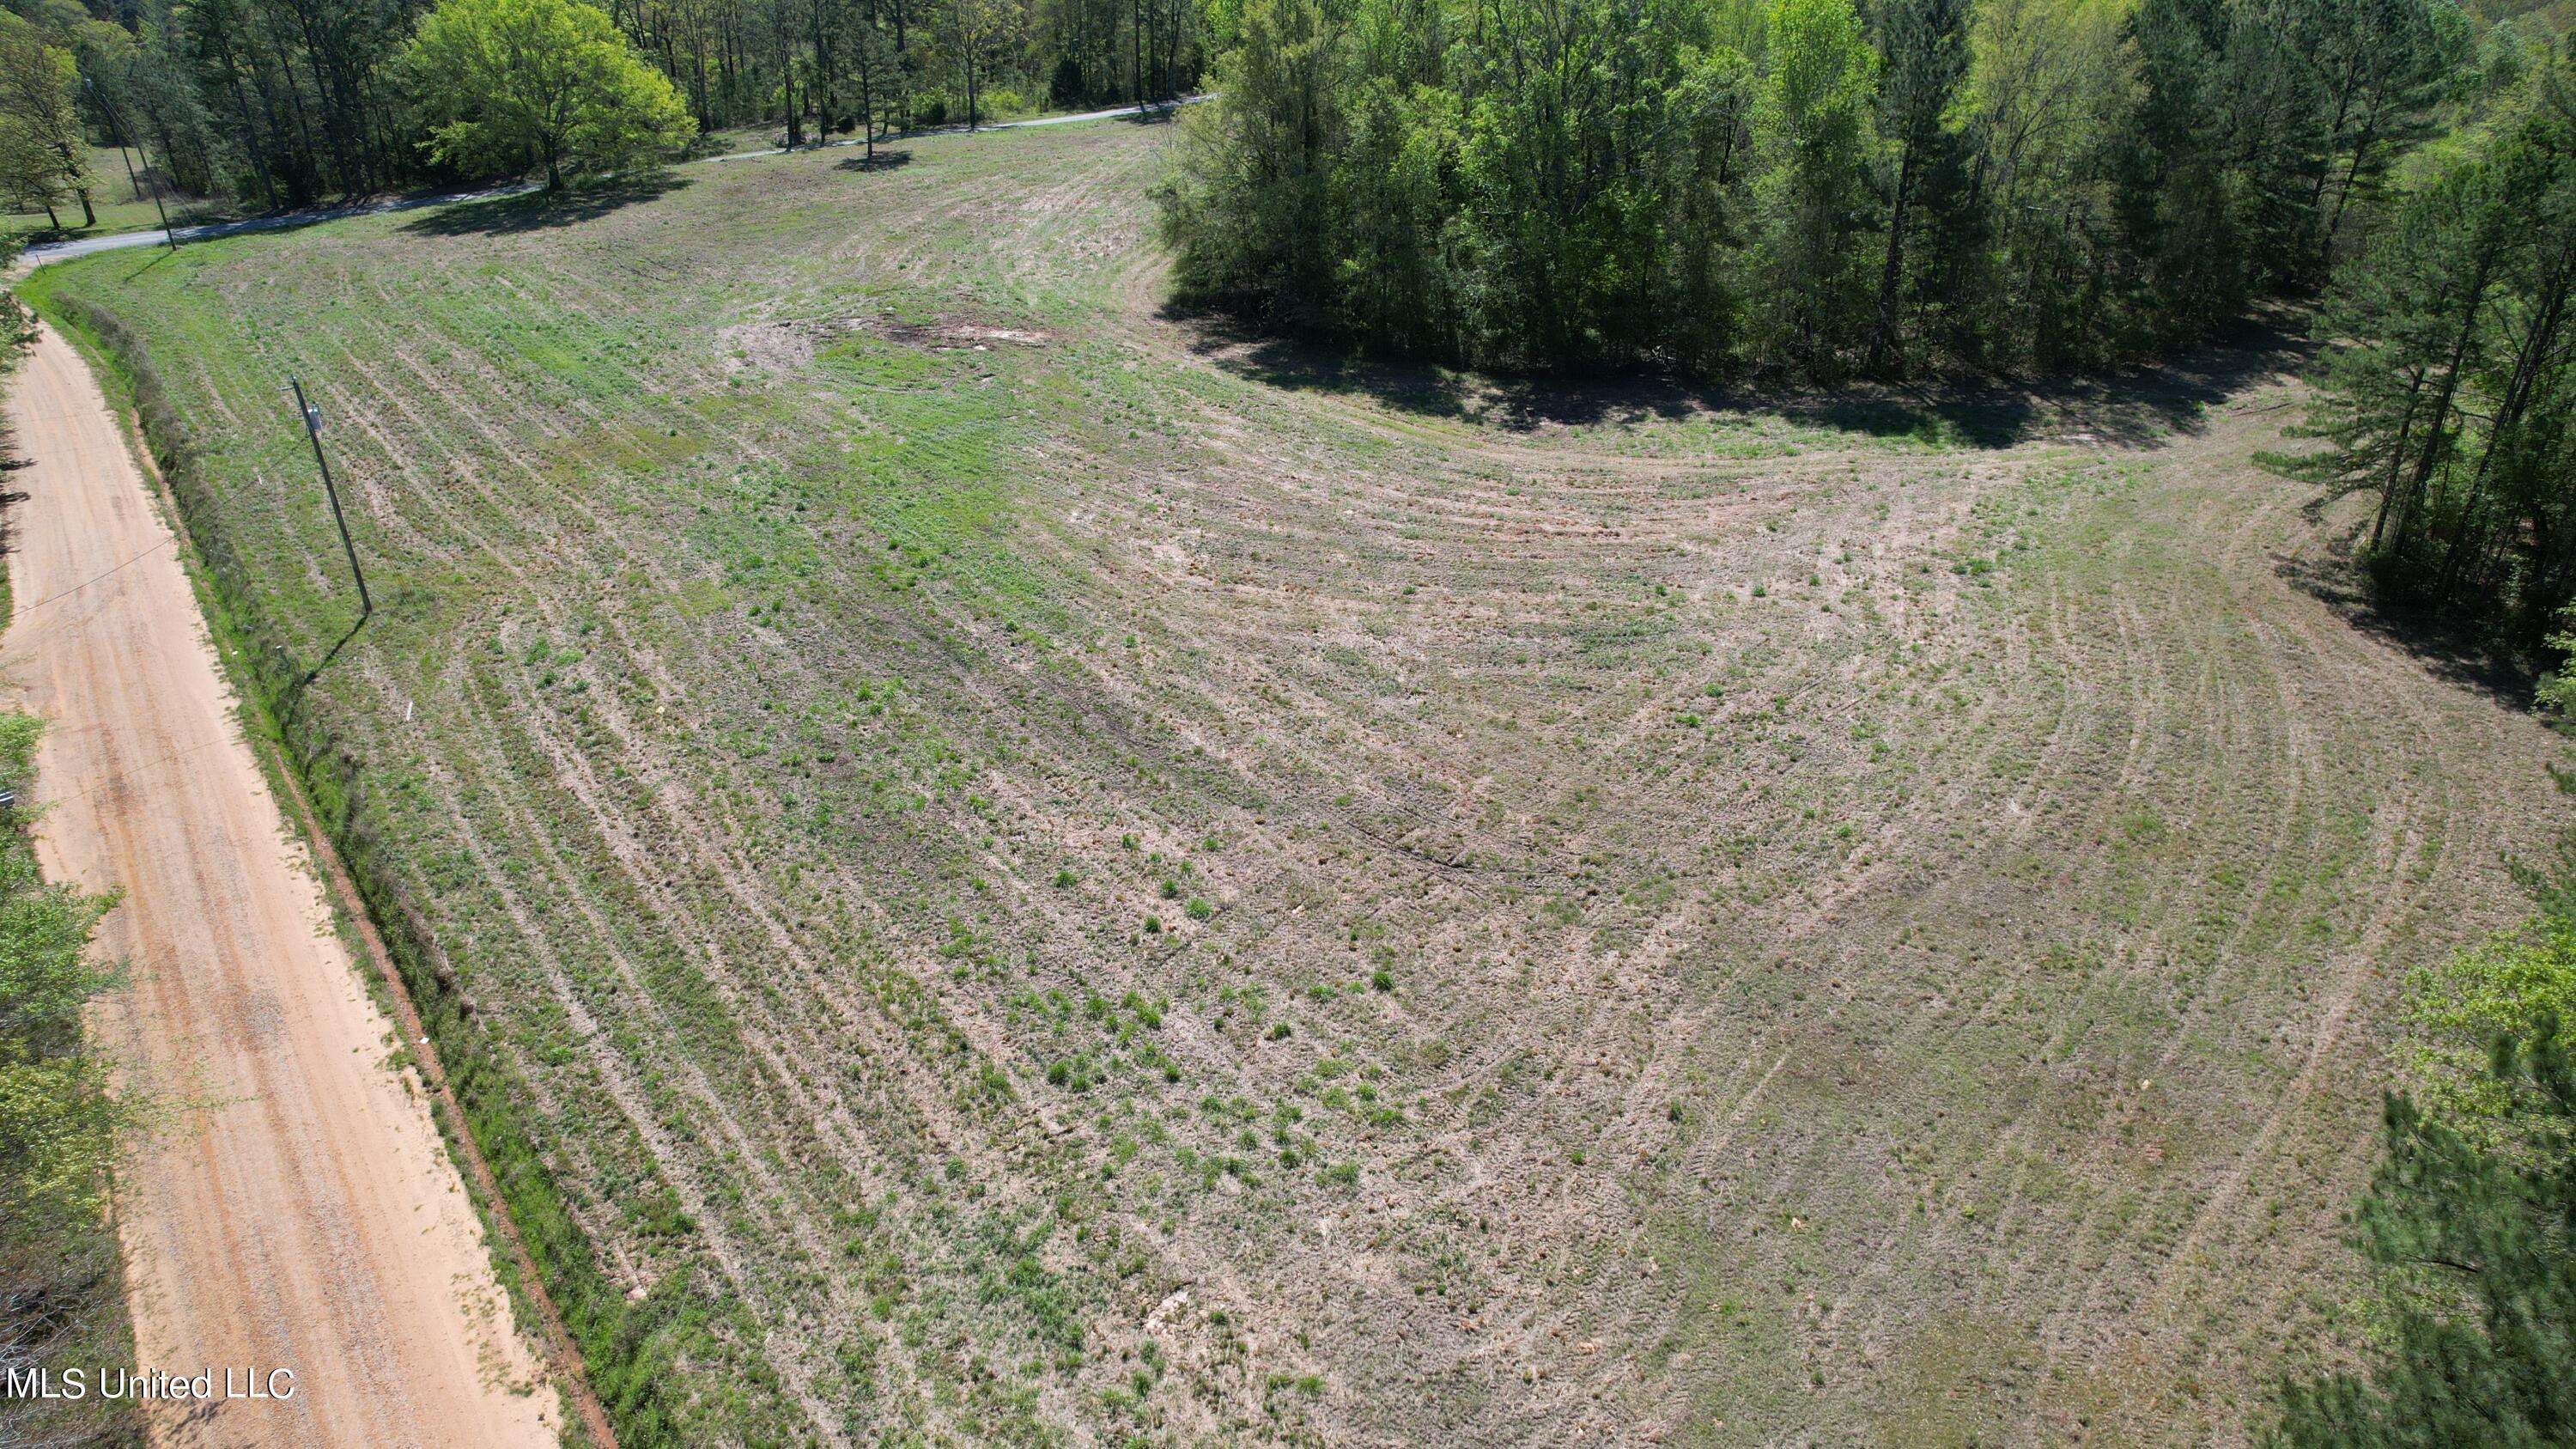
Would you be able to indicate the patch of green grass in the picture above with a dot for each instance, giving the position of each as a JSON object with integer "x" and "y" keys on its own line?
{"x": 119, "y": 208}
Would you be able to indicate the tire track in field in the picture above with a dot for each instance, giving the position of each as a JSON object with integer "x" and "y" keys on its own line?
{"x": 800, "y": 1374}
{"x": 672, "y": 1165}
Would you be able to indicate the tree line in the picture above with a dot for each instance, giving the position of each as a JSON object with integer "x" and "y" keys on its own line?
{"x": 1826, "y": 189}
{"x": 1812, "y": 187}
{"x": 2449, "y": 376}
{"x": 284, "y": 103}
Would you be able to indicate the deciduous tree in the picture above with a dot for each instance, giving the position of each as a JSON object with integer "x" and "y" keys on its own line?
{"x": 31, "y": 174}
{"x": 1923, "y": 55}
{"x": 551, "y": 83}
{"x": 1813, "y": 135}
{"x": 37, "y": 81}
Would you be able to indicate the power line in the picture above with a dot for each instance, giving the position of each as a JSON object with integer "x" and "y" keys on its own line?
{"x": 313, "y": 431}
{"x": 61, "y": 594}
{"x": 118, "y": 121}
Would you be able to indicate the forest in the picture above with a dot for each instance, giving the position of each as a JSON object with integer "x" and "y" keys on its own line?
{"x": 1817, "y": 187}
{"x": 1824, "y": 190}
{"x": 285, "y": 103}
{"x": 2445, "y": 387}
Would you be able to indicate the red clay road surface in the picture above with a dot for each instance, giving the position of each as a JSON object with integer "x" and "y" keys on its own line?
{"x": 294, "y": 1208}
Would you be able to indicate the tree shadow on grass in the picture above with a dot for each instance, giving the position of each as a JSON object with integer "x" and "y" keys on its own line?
{"x": 2452, "y": 650}
{"x": 544, "y": 211}
{"x": 2141, "y": 408}
{"x": 884, "y": 160}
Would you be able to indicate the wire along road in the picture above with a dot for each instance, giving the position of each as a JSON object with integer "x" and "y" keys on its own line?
{"x": 293, "y": 1209}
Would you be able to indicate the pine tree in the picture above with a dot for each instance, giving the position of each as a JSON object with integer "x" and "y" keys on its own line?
{"x": 2451, "y": 377}
{"x": 2481, "y": 1240}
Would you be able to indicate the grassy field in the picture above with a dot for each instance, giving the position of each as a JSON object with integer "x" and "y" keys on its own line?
{"x": 120, "y": 207}
{"x": 1021, "y": 867}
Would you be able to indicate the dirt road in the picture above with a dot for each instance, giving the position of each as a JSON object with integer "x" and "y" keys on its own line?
{"x": 64, "y": 251}
{"x": 296, "y": 1210}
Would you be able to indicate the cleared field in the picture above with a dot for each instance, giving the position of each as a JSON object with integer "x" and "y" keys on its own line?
{"x": 1027, "y": 868}
{"x": 120, "y": 206}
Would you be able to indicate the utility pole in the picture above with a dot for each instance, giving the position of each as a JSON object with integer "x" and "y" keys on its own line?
{"x": 122, "y": 140}
{"x": 313, "y": 431}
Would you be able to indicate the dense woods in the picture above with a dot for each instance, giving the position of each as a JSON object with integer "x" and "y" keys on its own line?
{"x": 1829, "y": 189}
{"x": 1819, "y": 187}
{"x": 2446, "y": 381}
{"x": 287, "y": 102}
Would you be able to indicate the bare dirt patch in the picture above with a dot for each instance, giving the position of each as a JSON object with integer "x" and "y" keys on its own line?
{"x": 775, "y": 346}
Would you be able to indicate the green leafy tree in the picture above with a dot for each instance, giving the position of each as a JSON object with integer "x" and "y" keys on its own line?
{"x": 1571, "y": 158}
{"x": 2383, "y": 67}
{"x": 1812, "y": 130}
{"x": 875, "y": 74}
{"x": 1250, "y": 206}
{"x": 31, "y": 174}
{"x": 1923, "y": 50}
{"x": 2557, "y": 692}
{"x": 2180, "y": 215}
{"x": 1392, "y": 280}
{"x": 2270, "y": 136}
{"x": 37, "y": 81}
{"x": 2502, "y": 987}
{"x": 2048, "y": 98}
{"x": 1704, "y": 168}
{"x": 2479, "y": 1237}
{"x": 515, "y": 83}
{"x": 1529, "y": 185}
{"x": 2413, "y": 323}
{"x": 1801, "y": 186}
{"x": 977, "y": 31}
